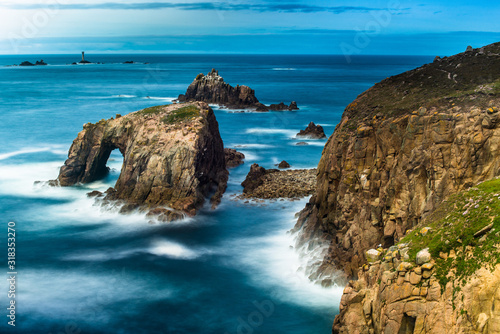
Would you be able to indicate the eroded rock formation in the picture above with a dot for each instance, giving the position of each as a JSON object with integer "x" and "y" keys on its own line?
{"x": 233, "y": 157}
{"x": 400, "y": 149}
{"x": 172, "y": 156}
{"x": 312, "y": 131}
{"x": 212, "y": 89}
{"x": 410, "y": 300}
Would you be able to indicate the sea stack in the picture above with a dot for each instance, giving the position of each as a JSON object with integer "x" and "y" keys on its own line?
{"x": 312, "y": 131}
{"x": 212, "y": 88}
{"x": 173, "y": 157}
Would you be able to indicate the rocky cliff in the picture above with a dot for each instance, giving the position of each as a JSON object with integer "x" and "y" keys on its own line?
{"x": 443, "y": 277}
{"x": 212, "y": 88}
{"x": 400, "y": 149}
{"x": 172, "y": 156}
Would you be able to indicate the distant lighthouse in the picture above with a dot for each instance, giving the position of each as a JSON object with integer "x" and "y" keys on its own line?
{"x": 83, "y": 56}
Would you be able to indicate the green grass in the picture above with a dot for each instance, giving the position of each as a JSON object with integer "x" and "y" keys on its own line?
{"x": 152, "y": 110}
{"x": 454, "y": 224}
{"x": 181, "y": 114}
{"x": 496, "y": 87}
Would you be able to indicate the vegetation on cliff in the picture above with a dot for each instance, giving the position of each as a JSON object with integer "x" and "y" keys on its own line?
{"x": 463, "y": 234}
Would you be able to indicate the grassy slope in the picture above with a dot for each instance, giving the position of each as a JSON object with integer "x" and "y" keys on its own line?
{"x": 453, "y": 226}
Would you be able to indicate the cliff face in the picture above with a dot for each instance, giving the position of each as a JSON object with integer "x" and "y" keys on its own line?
{"x": 401, "y": 148}
{"x": 172, "y": 156}
{"x": 443, "y": 277}
{"x": 381, "y": 301}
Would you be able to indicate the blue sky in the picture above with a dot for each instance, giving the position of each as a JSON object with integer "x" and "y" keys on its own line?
{"x": 261, "y": 26}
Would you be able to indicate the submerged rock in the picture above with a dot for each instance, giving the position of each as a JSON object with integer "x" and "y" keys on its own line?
{"x": 172, "y": 156}
{"x": 312, "y": 131}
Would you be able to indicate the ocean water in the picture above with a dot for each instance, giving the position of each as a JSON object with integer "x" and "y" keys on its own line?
{"x": 82, "y": 269}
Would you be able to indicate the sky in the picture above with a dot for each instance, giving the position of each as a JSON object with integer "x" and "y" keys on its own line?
{"x": 365, "y": 27}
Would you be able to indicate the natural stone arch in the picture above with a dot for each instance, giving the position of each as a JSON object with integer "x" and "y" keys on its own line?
{"x": 172, "y": 156}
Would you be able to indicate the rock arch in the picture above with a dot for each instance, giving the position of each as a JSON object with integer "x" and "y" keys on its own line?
{"x": 172, "y": 156}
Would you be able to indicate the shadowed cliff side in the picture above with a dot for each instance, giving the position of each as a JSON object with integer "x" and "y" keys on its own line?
{"x": 401, "y": 148}
{"x": 172, "y": 156}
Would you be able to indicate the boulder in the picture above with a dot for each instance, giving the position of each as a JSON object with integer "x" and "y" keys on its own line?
{"x": 312, "y": 131}
{"x": 423, "y": 256}
{"x": 281, "y": 106}
{"x": 172, "y": 156}
{"x": 253, "y": 178}
{"x": 283, "y": 165}
{"x": 372, "y": 255}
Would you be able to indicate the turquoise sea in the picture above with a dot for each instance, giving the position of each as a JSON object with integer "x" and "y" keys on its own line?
{"x": 81, "y": 269}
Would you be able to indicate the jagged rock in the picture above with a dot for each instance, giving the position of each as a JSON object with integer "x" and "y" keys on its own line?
{"x": 283, "y": 165}
{"x": 40, "y": 63}
{"x": 211, "y": 88}
{"x": 164, "y": 215}
{"x": 233, "y": 157}
{"x": 95, "y": 193}
{"x": 469, "y": 49}
{"x": 129, "y": 207}
{"x": 26, "y": 63}
{"x": 273, "y": 183}
{"x": 400, "y": 149}
{"x": 312, "y": 131}
{"x": 172, "y": 156}
{"x": 372, "y": 255}
{"x": 253, "y": 178}
{"x": 281, "y": 106}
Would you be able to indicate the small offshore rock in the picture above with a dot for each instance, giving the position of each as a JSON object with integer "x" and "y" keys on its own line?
{"x": 312, "y": 131}
{"x": 283, "y": 164}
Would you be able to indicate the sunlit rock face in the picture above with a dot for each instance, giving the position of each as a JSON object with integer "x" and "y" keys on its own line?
{"x": 173, "y": 156}
{"x": 400, "y": 149}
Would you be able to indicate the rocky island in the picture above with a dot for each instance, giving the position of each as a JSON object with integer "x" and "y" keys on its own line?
{"x": 173, "y": 158}
{"x": 402, "y": 150}
{"x": 212, "y": 89}
{"x": 272, "y": 183}
{"x": 312, "y": 131}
